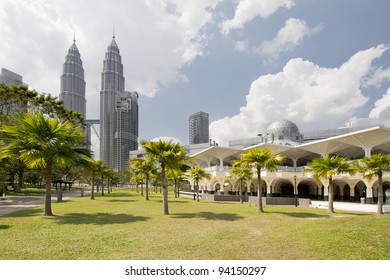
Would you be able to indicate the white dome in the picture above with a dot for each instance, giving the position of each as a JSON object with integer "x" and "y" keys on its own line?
{"x": 283, "y": 132}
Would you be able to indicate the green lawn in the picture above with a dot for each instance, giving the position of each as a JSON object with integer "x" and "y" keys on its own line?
{"x": 122, "y": 225}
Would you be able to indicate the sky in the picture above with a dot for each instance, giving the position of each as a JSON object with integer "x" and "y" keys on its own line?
{"x": 318, "y": 63}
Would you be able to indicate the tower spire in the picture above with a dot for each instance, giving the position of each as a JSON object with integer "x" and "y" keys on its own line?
{"x": 113, "y": 31}
{"x": 74, "y": 35}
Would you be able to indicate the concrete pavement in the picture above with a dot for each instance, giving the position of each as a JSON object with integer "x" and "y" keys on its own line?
{"x": 350, "y": 206}
{"x": 15, "y": 203}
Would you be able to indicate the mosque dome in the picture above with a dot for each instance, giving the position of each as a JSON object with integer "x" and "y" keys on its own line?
{"x": 283, "y": 132}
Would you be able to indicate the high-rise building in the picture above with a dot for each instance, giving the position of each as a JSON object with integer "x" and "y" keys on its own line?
{"x": 118, "y": 112}
{"x": 10, "y": 78}
{"x": 72, "y": 89}
{"x": 199, "y": 128}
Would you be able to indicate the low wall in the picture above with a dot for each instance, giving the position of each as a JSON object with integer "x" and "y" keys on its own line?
{"x": 252, "y": 200}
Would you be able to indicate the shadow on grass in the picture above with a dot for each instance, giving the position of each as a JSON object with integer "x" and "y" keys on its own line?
{"x": 121, "y": 200}
{"x": 4, "y": 227}
{"x": 301, "y": 214}
{"x": 209, "y": 216}
{"x": 99, "y": 219}
{"x": 26, "y": 212}
{"x": 178, "y": 201}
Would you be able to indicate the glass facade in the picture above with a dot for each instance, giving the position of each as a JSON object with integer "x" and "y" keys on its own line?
{"x": 199, "y": 128}
{"x": 118, "y": 112}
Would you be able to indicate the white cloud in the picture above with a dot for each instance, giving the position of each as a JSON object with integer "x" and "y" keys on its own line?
{"x": 311, "y": 96}
{"x": 247, "y": 10}
{"x": 156, "y": 39}
{"x": 241, "y": 46}
{"x": 288, "y": 37}
{"x": 379, "y": 115}
{"x": 378, "y": 77}
{"x": 166, "y": 138}
{"x": 381, "y": 111}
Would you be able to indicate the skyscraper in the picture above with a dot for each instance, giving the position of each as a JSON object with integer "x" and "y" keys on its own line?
{"x": 199, "y": 128}
{"x": 118, "y": 112}
{"x": 72, "y": 89}
{"x": 10, "y": 78}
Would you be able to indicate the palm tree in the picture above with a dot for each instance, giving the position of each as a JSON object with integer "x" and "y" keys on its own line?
{"x": 166, "y": 153}
{"x": 100, "y": 171}
{"x": 45, "y": 142}
{"x": 93, "y": 169}
{"x": 372, "y": 166}
{"x": 109, "y": 173}
{"x": 198, "y": 173}
{"x": 176, "y": 174}
{"x": 144, "y": 166}
{"x": 326, "y": 167}
{"x": 261, "y": 158}
{"x": 242, "y": 173}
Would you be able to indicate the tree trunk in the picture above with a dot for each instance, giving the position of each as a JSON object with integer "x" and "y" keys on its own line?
{"x": 142, "y": 188}
{"x": 165, "y": 191}
{"x": 92, "y": 195}
{"x": 197, "y": 190}
{"x": 48, "y": 211}
{"x": 102, "y": 187}
{"x": 259, "y": 192}
{"x": 175, "y": 190}
{"x": 330, "y": 198}
{"x": 147, "y": 187}
{"x": 380, "y": 194}
{"x": 241, "y": 200}
{"x": 20, "y": 179}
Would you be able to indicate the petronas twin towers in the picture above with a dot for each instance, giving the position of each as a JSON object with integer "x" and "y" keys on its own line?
{"x": 118, "y": 108}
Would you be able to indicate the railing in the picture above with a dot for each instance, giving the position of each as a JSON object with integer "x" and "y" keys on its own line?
{"x": 280, "y": 168}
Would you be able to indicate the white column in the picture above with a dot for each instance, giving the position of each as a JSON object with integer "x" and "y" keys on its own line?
{"x": 220, "y": 164}
{"x": 367, "y": 151}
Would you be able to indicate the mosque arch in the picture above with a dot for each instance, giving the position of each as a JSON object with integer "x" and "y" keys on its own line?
{"x": 360, "y": 191}
{"x": 282, "y": 188}
{"x": 308, "y": 188}
{"x": 386, "y": 187}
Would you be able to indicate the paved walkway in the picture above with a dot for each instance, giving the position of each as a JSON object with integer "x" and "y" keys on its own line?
{"x": 350, "y": 206}
{"x": 15, "y": 203}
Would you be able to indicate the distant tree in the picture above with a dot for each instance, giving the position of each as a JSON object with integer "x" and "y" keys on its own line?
{"x": 146, "y": 167}
{"x": 374, "y": 166}
{"x": 326, "y": 167}
{"x": 177, "y": 175}
{"x": 42, "y": 142}
{"x": 196, "y": 174}
{"x": 242, "y": 173}
{"x": 166, "y": 153}
{"x": 261, "y": 158}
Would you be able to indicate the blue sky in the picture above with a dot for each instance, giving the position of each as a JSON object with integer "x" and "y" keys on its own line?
{"x": 321, "y": 64}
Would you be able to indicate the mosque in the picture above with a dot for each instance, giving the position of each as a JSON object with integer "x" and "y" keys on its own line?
{"x": 290, "y": 181}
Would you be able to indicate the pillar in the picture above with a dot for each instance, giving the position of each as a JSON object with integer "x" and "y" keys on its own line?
{"x": 367, "y": 151}
{"x": 325, "y": 183}
{"x": 369, "y": 194}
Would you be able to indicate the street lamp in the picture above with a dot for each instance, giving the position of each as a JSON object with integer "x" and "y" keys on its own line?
{"x": 295, "y": 191}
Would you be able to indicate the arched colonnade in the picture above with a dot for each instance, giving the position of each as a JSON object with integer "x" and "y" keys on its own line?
{"x": 351, "y": 189}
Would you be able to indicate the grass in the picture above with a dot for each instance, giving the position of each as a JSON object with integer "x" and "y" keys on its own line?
{"x": 123, "y": 225}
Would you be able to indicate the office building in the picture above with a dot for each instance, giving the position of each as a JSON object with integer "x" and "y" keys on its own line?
{"x": 72, "y": 88}
{"x": 10, "y": 78}
{"x": 199, "y": 128}
{"x": 118, "y": 112}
